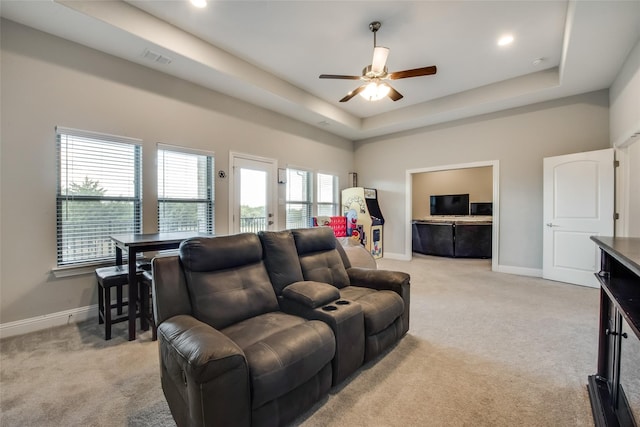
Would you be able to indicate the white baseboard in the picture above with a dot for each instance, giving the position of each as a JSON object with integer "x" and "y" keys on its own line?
{"x": 38, "y": 323}
{"x": 400, "y": 257}
{"x": 509, "y": 269}
{"x": 520, "y": 271}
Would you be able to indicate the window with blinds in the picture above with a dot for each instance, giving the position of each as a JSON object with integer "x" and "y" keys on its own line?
{"x": 299, "y": 202}
{"x": 185, "y": 190}
{"x": 327, "y": 194}
{"x": 99, "y": 193}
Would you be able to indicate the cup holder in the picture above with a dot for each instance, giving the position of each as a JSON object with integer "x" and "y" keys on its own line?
{"x": 342, "y": 302}
{"x": 329, "y": 308}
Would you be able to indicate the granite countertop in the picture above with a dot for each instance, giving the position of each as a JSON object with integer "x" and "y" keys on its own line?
{"x": 455, "y": 218}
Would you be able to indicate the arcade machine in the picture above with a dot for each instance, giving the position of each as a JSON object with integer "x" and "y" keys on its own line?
{"x": 360, "y": 206}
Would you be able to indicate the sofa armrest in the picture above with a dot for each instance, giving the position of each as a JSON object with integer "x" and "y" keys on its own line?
{"x": 395, "y": 281}
{"x": 204, "y": 374}
{"x": 378, "y": 279}
{"x": 311, "y": 294}
{"x": 321, "y": 301}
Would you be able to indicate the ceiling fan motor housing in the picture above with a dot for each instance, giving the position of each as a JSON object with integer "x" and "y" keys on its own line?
{"x": 370, "y": 74}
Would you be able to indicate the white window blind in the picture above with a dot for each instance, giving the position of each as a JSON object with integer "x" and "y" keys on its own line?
{"x": 99, "y": 193}
{"x": 327, "y": 194}
{"x": 299, "y": 202}
{"x": 185, "y": 190}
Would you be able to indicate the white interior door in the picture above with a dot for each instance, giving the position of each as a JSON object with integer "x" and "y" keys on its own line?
{"x": 578, "y": 204}
{"x": 252, "y": 194}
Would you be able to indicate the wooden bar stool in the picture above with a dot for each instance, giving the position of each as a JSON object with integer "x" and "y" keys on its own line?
{"x": 111, "y": 277}
{"x": 114, "y": 277}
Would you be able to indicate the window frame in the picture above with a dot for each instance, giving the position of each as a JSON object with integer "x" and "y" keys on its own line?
{"x": 209, "y": 200}
{"x": 336, "y": 198}
{"x": 309, "y": 202}
{"x": 136, "y": 219}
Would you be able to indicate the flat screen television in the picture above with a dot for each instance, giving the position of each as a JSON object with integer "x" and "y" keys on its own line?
{"x": 451, "y": 204}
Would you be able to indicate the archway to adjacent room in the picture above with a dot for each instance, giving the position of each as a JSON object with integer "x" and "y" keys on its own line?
{"x": 494, "y": 164}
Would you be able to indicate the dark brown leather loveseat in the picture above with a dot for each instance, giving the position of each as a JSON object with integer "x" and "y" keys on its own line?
{"x": 249, "y": 336}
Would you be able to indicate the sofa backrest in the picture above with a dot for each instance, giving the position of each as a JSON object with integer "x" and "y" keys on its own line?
{"x": 170, "y": 294}
{"x": 227, "y": 279}
{"x": 281, "y": 258}
{"x": 319, "y": 256}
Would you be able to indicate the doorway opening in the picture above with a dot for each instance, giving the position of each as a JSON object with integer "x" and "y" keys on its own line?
{"x": 495, "y": 193}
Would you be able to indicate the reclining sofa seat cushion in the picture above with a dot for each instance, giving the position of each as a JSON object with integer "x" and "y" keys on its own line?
{"x": 383, "y": 309}
{"x": 288, "y": 358}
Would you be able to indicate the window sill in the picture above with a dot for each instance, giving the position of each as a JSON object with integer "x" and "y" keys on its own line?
{"x": 78, "y": 270}
{"x": 90, "y": 268}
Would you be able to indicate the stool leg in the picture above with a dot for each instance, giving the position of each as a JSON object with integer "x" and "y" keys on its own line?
{"x": 119, "y": 298}
{"x": 107, "y": 313}
{"x": 152, "y": 319}
{"x": 154, "y": 328}
{"x": 144, "y": 303}
{"x": 100, "y": 305}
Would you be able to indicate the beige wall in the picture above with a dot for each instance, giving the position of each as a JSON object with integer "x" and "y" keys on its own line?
{"x": 477, "y": 182}
{"x": 634, "y": 191}
{"x": 624, "y": 98}
{"x": 46, "y": 82}
{"x": 518, "y": 139}
{"x": 625, "y": 121}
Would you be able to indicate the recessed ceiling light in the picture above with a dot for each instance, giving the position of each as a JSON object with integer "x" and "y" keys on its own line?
{"x": 199, "y": 3}
{"x": 505, "y": 40}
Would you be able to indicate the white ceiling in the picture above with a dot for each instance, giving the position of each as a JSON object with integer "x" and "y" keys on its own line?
{"x": 270, "y": 53}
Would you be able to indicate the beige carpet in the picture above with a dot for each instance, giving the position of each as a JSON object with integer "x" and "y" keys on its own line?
{"x": 484, "y": 349}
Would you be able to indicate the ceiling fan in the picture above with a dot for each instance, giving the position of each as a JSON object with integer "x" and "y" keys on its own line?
{"x": 373, "y": 76}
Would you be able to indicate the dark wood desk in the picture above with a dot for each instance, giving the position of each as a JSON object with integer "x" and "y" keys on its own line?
{"x": 134, "y": 244}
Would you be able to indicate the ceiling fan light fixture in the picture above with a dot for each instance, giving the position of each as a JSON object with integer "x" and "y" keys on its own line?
{"x": 375, "y": 91}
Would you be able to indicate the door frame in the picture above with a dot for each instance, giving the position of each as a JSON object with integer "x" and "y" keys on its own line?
{"x": 273, "y": 165}
{"x": 495, "y": 228}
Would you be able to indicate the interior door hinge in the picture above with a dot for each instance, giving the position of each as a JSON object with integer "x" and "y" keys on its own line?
{"x": 616, "y": 163}
{"x": 616, "y": 216}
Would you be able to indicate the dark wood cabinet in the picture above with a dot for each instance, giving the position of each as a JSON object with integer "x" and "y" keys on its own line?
{"x": 433, "y": 238}
{"x": 452, "y": 238}
{"x": 614, "y": 390}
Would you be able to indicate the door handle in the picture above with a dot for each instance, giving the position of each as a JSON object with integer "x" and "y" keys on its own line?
{"x": 549, "y": 224}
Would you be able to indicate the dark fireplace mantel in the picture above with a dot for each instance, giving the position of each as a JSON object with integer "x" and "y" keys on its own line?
{"x": 614, "y": 390}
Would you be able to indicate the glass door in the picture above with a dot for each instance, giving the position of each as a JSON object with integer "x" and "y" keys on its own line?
{"x": 253, "y": 206}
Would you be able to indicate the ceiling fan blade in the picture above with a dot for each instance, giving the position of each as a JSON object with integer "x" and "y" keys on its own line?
{"x": 416, "y": 72}
{"x": 379, "y": 61}
{"x": 354, "y": 93}
{"x": 394, "y": 94}
{"x": 338, "y": 76}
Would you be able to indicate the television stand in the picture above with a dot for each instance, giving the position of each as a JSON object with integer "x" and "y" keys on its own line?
{"x": 453, "y": 236}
